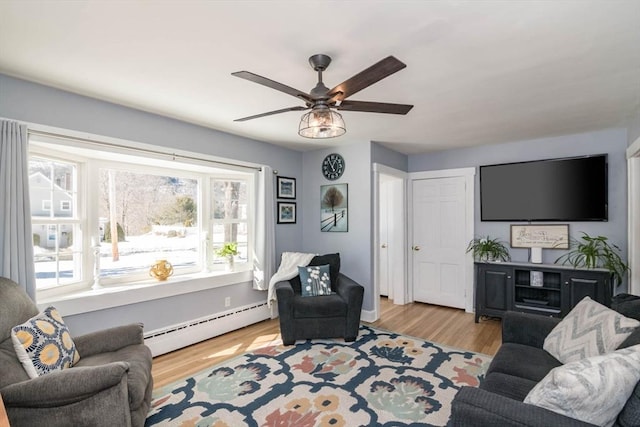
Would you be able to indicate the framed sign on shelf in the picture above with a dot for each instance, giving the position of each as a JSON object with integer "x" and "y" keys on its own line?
{"x": 286, "y": 187}
{"x": 553, "y": 236}
{"x": 286, "y": 213}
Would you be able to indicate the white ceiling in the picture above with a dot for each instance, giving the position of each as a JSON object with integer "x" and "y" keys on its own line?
{"x": 478, "y": 72}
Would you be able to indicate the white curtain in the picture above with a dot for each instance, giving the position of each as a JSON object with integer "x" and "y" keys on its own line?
{"x": 264, "y": 256}
{"x": 16, "y": 252}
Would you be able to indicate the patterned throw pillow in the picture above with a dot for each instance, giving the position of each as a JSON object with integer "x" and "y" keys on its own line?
{"x": 593, "y": 390}
{"x": 43, "y": 344}
{"x": 315, "y": 280}
{"x": 590, "y": 329}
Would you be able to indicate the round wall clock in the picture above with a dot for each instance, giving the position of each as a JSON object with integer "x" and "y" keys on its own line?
{"x": 333, "y": 166}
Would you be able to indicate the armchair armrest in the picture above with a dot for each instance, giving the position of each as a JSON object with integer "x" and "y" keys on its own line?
{"x": 107, "y": 340}
{"x": 480, "y": 408}
{"x": 349, "y": 290}
{"x": 525, "y": 328}
{"x": 64, "y": 387}
{"x": 353, "y": 294}
{"x": 284, "y": 296}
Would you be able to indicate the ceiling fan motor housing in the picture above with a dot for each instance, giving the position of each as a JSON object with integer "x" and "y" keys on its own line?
{"x": 320, "y": 62}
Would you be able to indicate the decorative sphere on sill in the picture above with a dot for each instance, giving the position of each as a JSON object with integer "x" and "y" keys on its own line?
{"x": 161, "y": 270}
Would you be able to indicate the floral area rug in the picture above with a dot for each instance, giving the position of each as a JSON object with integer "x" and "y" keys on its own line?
{"x": 381, "y": 379}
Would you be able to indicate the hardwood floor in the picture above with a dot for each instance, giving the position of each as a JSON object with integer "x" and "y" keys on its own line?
{"x": 443, "y": 325}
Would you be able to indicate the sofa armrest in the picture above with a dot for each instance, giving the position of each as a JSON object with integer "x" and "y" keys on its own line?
{"x": 65, "y": 387}
{"x": 107, "y": 340}
{"x": 480, "y": 408}
{"x": 527, "y": 329}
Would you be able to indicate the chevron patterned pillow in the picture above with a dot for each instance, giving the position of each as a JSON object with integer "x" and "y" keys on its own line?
{"x": 593, "y": 390}
{"x": 590, "y": 329}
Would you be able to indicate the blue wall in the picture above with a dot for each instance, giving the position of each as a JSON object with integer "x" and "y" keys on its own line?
{"x": 354, "y": 246}
{"x": 387, "y": 157}
{"x": 34, "y": 103}
{"x": 610, "y": 141}
{"x": 30, "y": 102}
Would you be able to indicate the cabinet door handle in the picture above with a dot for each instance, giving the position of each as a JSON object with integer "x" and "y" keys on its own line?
{"x": 415, "y": 248}
{"x": 384, "y": 246}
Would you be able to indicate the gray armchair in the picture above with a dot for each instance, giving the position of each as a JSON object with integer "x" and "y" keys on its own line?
{"x": 326, "y": 316}
{"x": 111, "y": 385}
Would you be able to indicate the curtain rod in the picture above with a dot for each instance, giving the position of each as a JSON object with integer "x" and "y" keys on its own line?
{"x": 144, "y": 150}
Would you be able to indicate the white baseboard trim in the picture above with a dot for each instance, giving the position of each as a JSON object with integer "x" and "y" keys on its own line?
{"x": 368, "y": 316}
{"x": 164, "y": 340}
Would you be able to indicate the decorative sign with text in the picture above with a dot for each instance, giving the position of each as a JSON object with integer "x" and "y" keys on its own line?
{"x": 554, "y": 236}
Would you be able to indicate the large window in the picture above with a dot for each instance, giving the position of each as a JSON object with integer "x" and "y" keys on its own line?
{"x": 57, "y": 252}
{"x": 98, "y": 219}
{"x": 229, "y": 214}
{"x": 154, "y": 216}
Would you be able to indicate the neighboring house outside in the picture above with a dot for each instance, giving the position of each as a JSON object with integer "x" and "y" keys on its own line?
{"x": 50, "y": 200}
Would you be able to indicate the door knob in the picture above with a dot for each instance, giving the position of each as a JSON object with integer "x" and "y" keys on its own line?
{"x": 384, "y": 245}
{"x": 415, "y": 248}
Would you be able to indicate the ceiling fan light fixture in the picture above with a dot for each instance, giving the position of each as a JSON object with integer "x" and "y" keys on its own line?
{"x": 321, "y": 123}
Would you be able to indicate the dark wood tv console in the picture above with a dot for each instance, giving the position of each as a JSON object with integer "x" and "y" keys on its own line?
{"x": 545, "y": 289}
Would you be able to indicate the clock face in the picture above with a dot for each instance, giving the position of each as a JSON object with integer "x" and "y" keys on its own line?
{"x": 333, "y": 166}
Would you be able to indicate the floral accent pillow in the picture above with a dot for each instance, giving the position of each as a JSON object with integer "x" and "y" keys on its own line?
{"x": 43, "y": 344}
{"x": 315, "y": 280}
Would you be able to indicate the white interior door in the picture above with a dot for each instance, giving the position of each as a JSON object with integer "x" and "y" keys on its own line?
{"x": 383, "y": 253}
{"x": 439, "y": 259}
{"x": 390, "y": 269}
{"x": 633, "y": 180}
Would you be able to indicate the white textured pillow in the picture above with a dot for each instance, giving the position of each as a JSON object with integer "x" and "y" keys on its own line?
{"x": 590, "y": 329}
{"x": 593, "y": 390}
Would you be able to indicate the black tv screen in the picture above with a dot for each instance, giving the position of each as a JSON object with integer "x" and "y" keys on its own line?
{"x": 568, "y": 189}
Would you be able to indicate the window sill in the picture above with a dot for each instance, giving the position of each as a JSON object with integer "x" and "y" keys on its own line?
{"x": 114, "y": 296}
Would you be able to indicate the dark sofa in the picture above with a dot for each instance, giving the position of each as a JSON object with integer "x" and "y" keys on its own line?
{"x": 519, "y": 365}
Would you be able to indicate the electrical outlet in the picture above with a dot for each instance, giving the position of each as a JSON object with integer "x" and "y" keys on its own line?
{"x": 227, "y": 302}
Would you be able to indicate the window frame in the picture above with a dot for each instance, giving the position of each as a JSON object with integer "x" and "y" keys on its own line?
{"x": 87, "y": 207}
{"x": 251, "y": 212}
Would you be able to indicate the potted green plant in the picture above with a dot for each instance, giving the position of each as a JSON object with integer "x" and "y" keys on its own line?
{"x": 595, "y": 252}
{"x": 487, "y": 249}
{"x": 228, "y": 250}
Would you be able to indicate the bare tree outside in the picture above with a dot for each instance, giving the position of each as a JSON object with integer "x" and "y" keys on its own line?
{"x": 227, "y": 196}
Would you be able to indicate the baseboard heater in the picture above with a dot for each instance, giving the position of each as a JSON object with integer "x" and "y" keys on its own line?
{"x": 173, "y": 337}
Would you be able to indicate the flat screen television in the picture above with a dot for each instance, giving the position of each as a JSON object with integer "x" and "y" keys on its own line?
{"x": 566, "y": 189}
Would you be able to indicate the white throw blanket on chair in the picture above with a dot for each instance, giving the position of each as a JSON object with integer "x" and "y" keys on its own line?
{"x": 288, "y": 270}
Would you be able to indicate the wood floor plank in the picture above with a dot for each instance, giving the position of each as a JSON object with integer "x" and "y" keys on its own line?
{"x": 443, "y": 325}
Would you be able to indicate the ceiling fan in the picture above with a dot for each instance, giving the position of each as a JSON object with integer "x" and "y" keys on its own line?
{"x": 322, "y": 121}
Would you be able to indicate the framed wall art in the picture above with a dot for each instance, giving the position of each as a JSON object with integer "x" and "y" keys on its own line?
{"x": 334, "y": 207}
{"x": 286, "y": 187}
{"x": 554, "y": 236}
{"x": 286, "y": 213}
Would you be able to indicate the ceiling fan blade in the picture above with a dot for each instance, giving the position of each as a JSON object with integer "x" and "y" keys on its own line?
{"x": 365, "y": 78}
{"x": 273, "y": 85}
{"x": 374, "y": 107}
{"x": 270, "y": 113}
